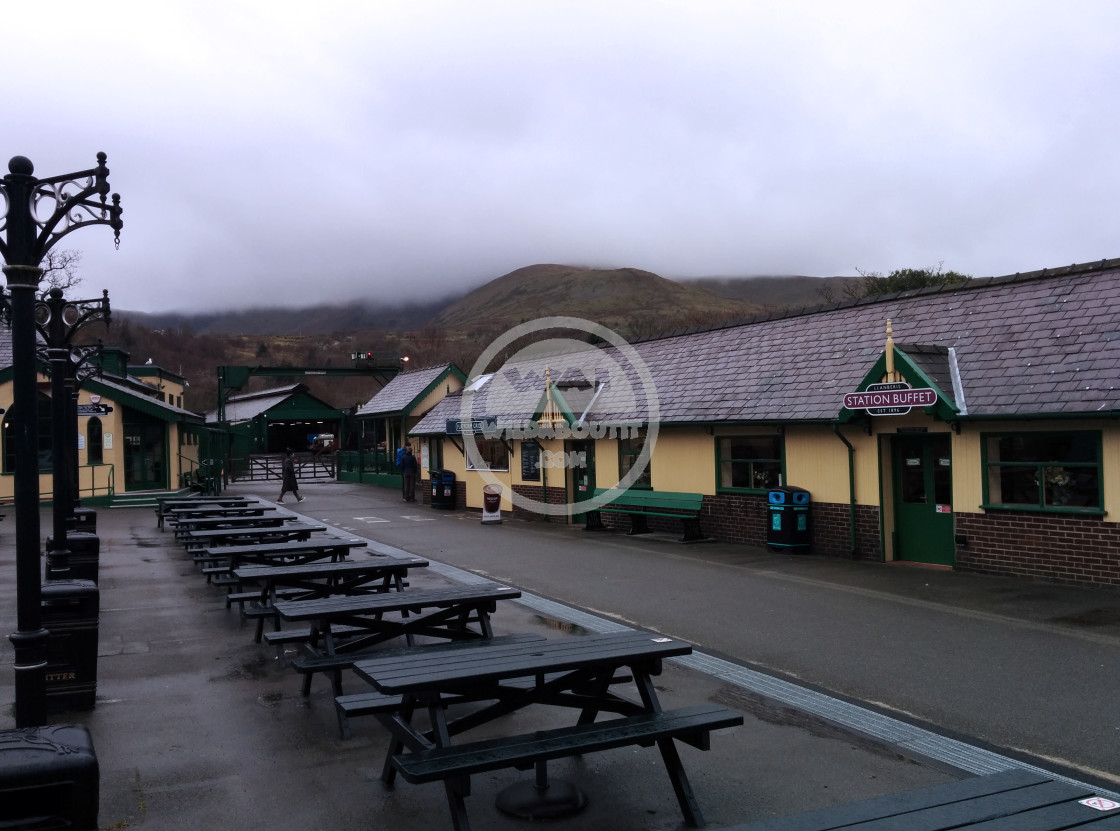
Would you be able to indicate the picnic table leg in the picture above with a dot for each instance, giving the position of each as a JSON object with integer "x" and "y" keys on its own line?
{"x": 458, "y": 788}
{"x": 484, "y": 624}
{"x": 690, "y": 806}
{"x": 388, "y": 772}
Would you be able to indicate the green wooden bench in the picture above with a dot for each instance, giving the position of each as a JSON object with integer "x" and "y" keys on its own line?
{"x": 641, "y": 504}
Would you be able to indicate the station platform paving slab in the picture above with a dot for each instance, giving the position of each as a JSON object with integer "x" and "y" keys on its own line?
{"x": 197, "y": 726}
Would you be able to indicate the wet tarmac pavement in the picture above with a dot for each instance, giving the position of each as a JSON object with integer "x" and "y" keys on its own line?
{"x": 197, "y": 726}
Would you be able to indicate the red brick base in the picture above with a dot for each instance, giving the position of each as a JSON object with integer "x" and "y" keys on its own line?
{"x": 1053, "y": 547}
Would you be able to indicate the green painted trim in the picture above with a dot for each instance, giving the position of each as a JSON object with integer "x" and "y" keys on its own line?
{"x": 1103, "y": 415}
{"x": 1098, "y": 466}
{"x": 151, "y": 407}
{"x": 1093, "y": 512}
{"x": 943, "y": 410}
{"x": 880, "y": 439}
{"x": 750, "y": 491}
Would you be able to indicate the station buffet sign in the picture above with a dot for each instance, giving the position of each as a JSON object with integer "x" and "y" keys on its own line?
{"x": 892, "y": 398}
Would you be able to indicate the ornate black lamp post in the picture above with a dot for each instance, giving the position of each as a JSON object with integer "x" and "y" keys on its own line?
{"x": 37, "y": 213}
{"x": 58, "y": 321}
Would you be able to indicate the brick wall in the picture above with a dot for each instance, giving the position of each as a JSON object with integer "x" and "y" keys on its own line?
{"x": 1054, "y": 547}
{"x": 744, "y": 518}
{"x": 547, "y": 496}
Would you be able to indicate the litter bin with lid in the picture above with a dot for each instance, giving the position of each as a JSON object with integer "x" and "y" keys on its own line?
{"x": 70, "y": 609}
{"x": 447, "y": 484}
{"x": 436, "y": 484}
{"x": 83, "y": 560}
{"x": 49, "y": 778}
{"x": 788, "y": 527}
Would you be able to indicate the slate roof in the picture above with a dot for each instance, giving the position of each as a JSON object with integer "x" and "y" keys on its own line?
{"x": 139, "y": 391}
{"x": 401, "y": 392}
{"x": 248, "y": 406}
{"x": 1045, "y": 342}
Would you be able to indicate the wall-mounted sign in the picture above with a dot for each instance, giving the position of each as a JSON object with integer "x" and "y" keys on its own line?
{"x": 476, "y": 425}
{"x": 894, "y": 398}
{"x": 94, "y": 409}
{"x": 530, "y": 461}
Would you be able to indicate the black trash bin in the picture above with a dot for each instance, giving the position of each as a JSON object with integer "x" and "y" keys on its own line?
{"x": 70, "y": 610}
{"x": 49, "y": 778}
{"x": 83, "y": 562}
{"x": 437, "y": 487}
{"x": 83, "y": 519}
{"x": 447, "y": 485}
{"x": 788, "y": 528}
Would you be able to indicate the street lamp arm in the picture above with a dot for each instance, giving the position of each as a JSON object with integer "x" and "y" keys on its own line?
{"x": 71, "y": 212}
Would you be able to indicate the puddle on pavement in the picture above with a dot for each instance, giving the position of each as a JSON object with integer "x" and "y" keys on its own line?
{"x": 561, "y": 625}
{"x": 780, "y": 714}
{"x": 250, "y": 670}
{"x": 272, "y": 699}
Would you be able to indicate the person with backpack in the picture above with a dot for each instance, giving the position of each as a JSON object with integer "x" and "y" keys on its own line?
{"x": 410, "y": 469}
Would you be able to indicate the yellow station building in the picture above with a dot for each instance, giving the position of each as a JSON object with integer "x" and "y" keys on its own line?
{"x": 973, "y": 427}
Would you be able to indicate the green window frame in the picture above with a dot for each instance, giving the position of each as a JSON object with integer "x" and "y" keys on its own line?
{"x": 749, "y": 464}
{"x": 435, "y": 454}
{"x": 1052, "y": 471}
{"x": 629, "y": 449}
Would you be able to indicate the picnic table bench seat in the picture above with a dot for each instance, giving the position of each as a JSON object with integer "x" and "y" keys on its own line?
{"x": 1012, "y": 800}
{"x": 640, "y": 504}
{"x": 691, "y": 725}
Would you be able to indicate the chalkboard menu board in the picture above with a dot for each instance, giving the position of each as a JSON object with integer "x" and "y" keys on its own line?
{"x": 530, "y": 461}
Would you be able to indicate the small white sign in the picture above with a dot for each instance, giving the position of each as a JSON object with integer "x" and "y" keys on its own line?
{"x": 1100, "y": 803}
{"x": 107, "y": 441}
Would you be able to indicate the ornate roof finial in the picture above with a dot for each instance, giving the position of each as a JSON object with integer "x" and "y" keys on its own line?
{"x": 550, "y": 415}
{"x": 888, "y": 351}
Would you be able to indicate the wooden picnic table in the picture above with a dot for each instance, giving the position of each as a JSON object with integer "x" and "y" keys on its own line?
{"x": 250, "y": 535}
{"x": 274, "y": 553}
{"x": 343, "y": 626}
{"x": 322, "y": 579}
{"x": 182, "y": 526}
{"x": 167, "y": 504}
{"x": 198, "y": 512}
{"x": 1012, "y": 800}
{"x": 577, "y": 672}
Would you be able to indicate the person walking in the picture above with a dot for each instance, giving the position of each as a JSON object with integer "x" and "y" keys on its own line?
{"x": 409, "y": 470}
{"x": 288, "y": 477}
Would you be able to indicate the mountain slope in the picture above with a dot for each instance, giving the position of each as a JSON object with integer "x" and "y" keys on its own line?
{"x": 618, "y": 298}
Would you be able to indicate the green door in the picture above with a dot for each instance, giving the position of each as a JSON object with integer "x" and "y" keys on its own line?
{"x": 145, "y": 455}
{"x": 923, "y": 498}
{"x": 580, "y": 463}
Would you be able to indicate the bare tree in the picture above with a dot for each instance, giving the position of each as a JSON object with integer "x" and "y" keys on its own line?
{"x": 60, "y": 270}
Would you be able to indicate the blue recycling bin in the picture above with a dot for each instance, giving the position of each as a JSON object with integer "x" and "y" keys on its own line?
{"x": 447, "y": 483}
{"x": 435, "y": 482}
{"x": 788, "y": 528}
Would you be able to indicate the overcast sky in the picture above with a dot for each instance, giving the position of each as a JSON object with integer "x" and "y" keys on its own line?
{"x": 278, "y": 153}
